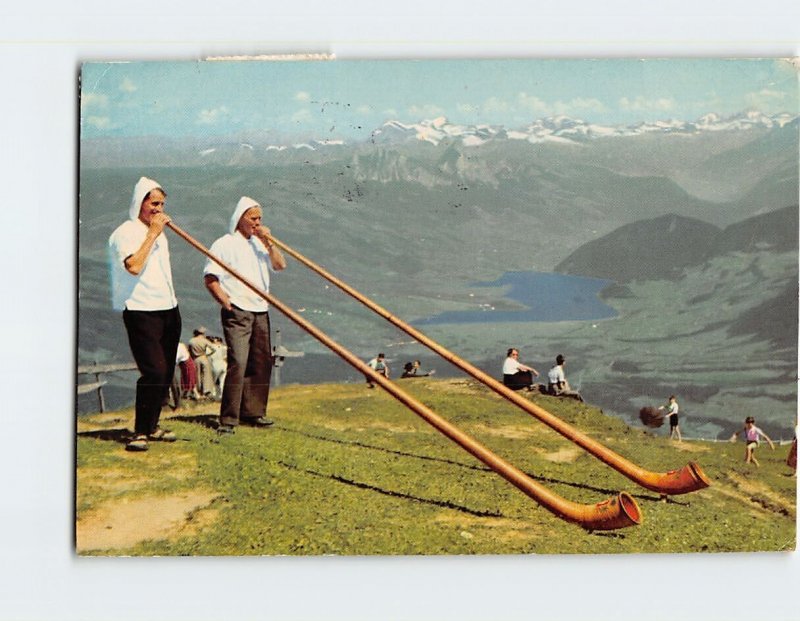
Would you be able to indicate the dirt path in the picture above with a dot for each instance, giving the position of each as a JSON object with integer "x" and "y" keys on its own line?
{"x": 124, "y": 523}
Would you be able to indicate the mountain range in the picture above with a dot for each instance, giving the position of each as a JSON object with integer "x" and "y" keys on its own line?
{"x": 563, "y": 130}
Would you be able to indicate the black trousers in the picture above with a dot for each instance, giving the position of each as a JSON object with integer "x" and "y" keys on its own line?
{"x": 519, "y": 380}
{"x": 153, "y": 337}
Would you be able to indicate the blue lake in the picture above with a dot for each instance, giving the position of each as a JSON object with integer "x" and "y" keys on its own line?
{"x": 545, "y": 295}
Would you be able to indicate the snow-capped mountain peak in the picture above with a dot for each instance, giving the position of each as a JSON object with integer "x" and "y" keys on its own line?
{"x": 567, "y": 130}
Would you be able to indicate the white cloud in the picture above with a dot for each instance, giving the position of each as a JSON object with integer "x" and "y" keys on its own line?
{"x": 365, "y": 109}
{"x": 494, "y": 105}
{"x": 765, "y": 100}
{"x": 468, "y": 108}
{"x": 302, "y": 96}
{"x": 425, "y": 111}
{"x": 498, "y": 109}
{"x": 98, "y": 122}
{"x": 526, "y": 105}
{"x": 643, "y": 104}
{"x": 302, "y": 116}
{"x": 579, "y": 105}
{"x": 533, "y": 104}
{"x": 391, "y": 113}
{"x": 212, "y": 116}
{"x": 127, "y": 86}
{"x": 712, "y": 102}
{"x": 93, "y": 100}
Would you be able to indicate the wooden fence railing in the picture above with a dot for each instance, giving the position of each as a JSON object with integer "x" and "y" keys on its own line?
{"x": 279, "y": 353}
{"x": 98, "y": 370}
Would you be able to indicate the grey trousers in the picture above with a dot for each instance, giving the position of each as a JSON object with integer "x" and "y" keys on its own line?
{"x": 246, "y": 390}
{"x": 205, "y": 380}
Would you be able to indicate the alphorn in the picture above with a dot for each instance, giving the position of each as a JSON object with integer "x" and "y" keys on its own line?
{"x": 690, "y": 478}
{"x": 618, "y": 512}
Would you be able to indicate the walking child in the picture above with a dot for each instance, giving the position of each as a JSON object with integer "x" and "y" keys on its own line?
{"x": 752, "y": 435}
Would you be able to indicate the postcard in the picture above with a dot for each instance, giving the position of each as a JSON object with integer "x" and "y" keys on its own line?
{"x": 436, "y": 307}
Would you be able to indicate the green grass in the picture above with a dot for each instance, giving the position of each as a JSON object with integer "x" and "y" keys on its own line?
{"x": 350, "y": 471}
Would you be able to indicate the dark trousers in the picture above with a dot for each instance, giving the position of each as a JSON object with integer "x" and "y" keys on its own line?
{"x": 153, "y": 337}
{"x": 246, "y": 390}
{"x": 518, "y": 381}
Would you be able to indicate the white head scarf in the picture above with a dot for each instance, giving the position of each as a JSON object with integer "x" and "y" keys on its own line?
{"x": 243, "y": 205}
{"x": 143, "y": 187}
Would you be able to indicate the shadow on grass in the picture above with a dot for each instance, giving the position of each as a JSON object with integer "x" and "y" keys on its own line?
{"x": 670, "y": 501}
{"x": 604, "y": 490}
{"x": 211, "y": 421}
{"x": 593, "y": 488}
{"x": 541, "y": 479}
{"x": 394, "y": 494}
{"x": 383, "y": 449}
{"x": 110, "y": 435}
{"x": 605, "y": 533}
{"x": 120, "y": 436}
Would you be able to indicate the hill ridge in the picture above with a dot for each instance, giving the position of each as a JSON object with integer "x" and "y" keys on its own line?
{"x": 661, "y": 247}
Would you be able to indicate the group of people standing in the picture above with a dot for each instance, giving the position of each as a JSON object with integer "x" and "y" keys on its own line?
{"x": 142, "y": 288}
{"x": 518, "y": 376}
{"x": 201, "y": 367}
{"x": 203, "y": 352}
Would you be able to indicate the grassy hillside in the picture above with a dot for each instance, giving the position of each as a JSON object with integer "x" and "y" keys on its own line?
{"x": 349, "y": 471}
{"x": 662, "y": 248}
{"x": 656, "y": 249}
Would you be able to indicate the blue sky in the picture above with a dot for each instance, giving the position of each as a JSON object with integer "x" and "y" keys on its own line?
{"x": 347, "y": 99}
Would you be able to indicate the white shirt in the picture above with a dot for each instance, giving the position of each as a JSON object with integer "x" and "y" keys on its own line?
{"x": 182, "y": 355}
{"x": 377, "y": 365}
{"x": 556, "y": 375}
{"x": 152, "y": 289}
{"x": 510, "y": 366}
{"x": 249, "y": 257}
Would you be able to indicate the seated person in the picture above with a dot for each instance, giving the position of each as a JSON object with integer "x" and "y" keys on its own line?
{"x": 516, "y": 375}
{"x": 557, "y": 384}
{"x": 411, "y": 369}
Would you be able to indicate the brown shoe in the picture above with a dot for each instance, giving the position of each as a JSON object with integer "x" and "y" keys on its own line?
{"x": 137, "y": 443}
{"x": 162, "y": 435}
{"x": 261, "y": 421}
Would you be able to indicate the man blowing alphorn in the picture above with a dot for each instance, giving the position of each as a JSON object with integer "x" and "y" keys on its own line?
{"x": 244, "y": 314}
{"x": 141, "y": 287}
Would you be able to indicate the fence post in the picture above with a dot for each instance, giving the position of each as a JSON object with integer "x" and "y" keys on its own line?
{"x": 100, "y": 398}
{"x": 276, "y": 361}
